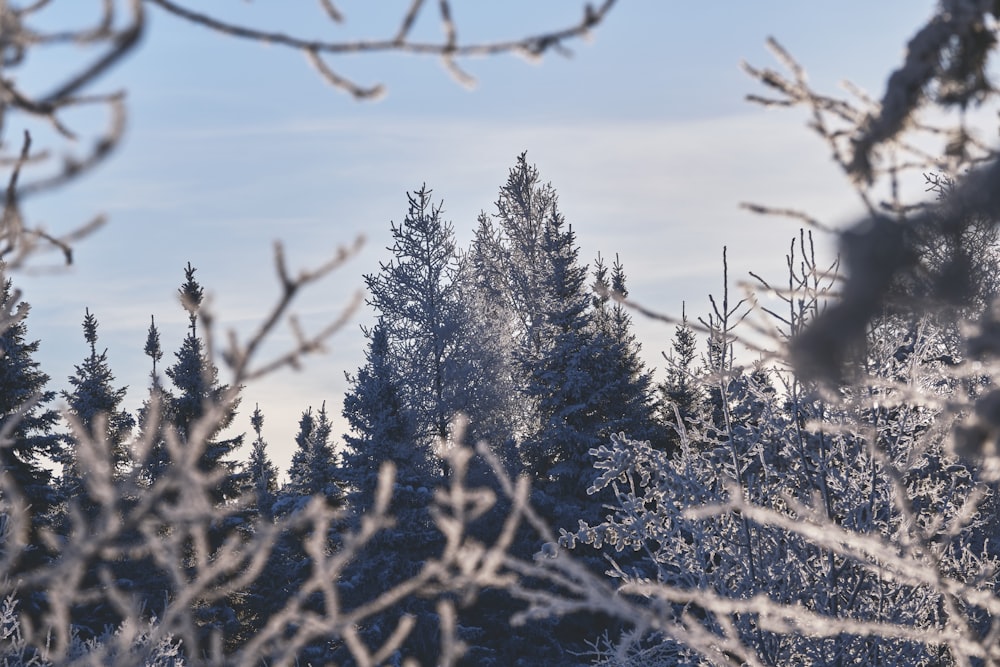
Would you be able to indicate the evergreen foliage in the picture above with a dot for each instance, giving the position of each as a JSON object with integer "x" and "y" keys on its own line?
{"x": 681, "y": 389}
{"x": 629, "y": 398}
{"x": 95, "y": 404}
{"x": 96, "y": 459}
{"x": 381, "y": 426}
{"x": 196, "y": 389}
{"x": 383, "y": 432}
{"x": 154, "y": 415}
{"x": 25, "y": 422}
{"x": 261, "y": 473}
{"x": 152, "y": 348}
{"x": 313, "y": 473}
{"x": 561, "y": 382}
{"x": 28, "y": 440}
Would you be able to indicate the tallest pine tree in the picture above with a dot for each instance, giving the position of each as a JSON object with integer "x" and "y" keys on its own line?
{"x": 195, "y": 380}
{"x": 196, "y": 393}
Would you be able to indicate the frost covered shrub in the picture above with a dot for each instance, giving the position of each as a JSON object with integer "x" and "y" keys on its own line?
{"x": 803, "y": 524}
{"x": 852, "y": 519}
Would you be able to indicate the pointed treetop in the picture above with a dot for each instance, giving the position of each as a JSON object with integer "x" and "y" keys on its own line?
{"x": 600, "y": 287}
{"x": 306, "y": 425}
{"x": 90, "y": 331}
{"x": 528, "y": 172}
{"x": 191, "y": 294}
{"x": 153, "y": 349}
{"x": 618, "y": 277}
{"x": 257, "y": 420}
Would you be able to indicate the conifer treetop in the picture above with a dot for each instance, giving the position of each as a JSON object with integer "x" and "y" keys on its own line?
{"x": 90, "y": 331}
{"x": 191, "y": 295}
{"x": 257, "y": 420}
{"x": 152, "y": 348}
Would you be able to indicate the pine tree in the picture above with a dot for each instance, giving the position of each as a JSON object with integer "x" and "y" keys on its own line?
{"x": 93, "y": 397}
{"x": 313, "y": 472}
{"x": 381, "y": 426}
{"x": 681, "y": 389}
{"x": 27, "y": 440}
{"x": 195, "y": 381}
{"x": 261, "y": 473}
{"x": 563, "y": 383}
{"x": 627, "y": 389}
{"x": 382, "y": 431}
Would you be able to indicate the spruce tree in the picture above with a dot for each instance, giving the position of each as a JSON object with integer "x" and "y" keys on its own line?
{"x": 682, "y": 388}
{"x": 154, "y": 414}
{"x": 175, "y": 412}
{"x": 313, "y": 472}
{"x": 381, "y": 426}
{"x": 383, "y": 431}
{"x": 27, "y": 440}
{"x": 153, "y": 349}
{"x": 563, "y": 367}
{"x": 95, "y": 406}
{"x": 261, "y": 473}
{"x": 196, "y": 391}
{"x": 576, "y": 365}
{"x": 196, "y": 387}
{"x": 274, "y": 586}
{"x": 26, "y": 424}
{"x": 628, "y": 393}
{"x": 563, "y": 384}
{"x": 313, "y": 475}
{"x": 94, "y": 397}
{"x": 139, "y": 571}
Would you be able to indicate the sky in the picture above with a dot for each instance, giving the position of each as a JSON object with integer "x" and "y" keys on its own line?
{"x": 644, "y": 132}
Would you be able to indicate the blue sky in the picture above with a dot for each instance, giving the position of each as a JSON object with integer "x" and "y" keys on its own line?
{"x": 644, "y": 133}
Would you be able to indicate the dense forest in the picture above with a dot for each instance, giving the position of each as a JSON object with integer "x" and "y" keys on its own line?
{"x": 512, "y": 342}
{"x": 723, "y": 496}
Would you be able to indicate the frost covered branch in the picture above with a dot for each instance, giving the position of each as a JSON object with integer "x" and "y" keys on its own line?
{"x": 447, "y": 49}
{"x": 117, "y": 30}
